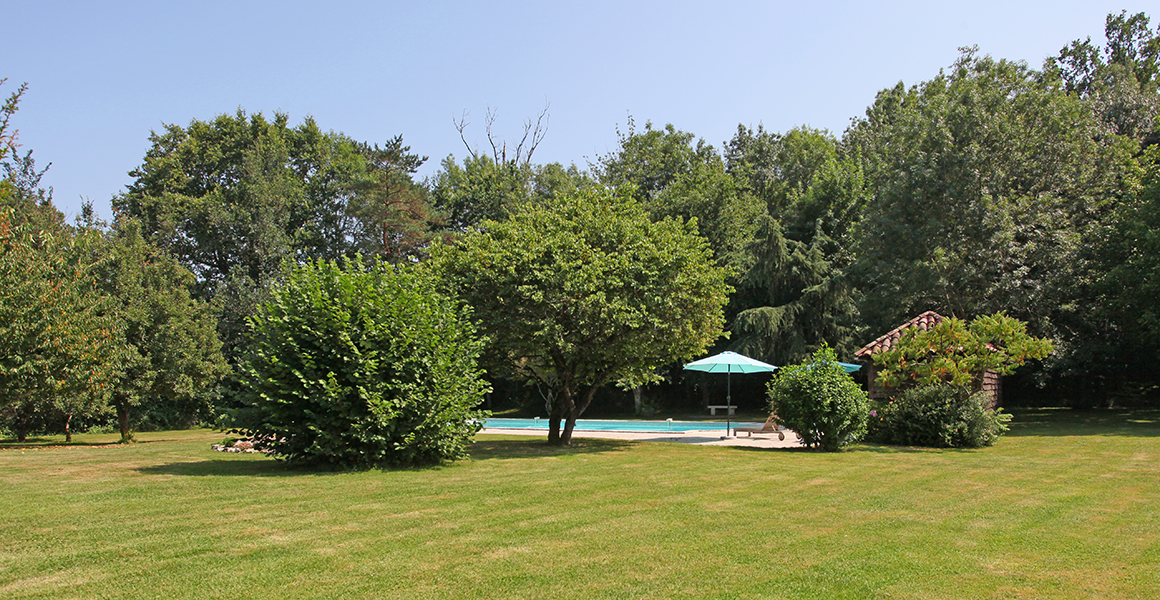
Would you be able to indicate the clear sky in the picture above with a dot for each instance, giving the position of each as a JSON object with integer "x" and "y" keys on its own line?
{"x": 102, "y": 75}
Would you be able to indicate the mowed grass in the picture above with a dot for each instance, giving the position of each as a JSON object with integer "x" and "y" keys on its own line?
{"x": 1066, "y": 506}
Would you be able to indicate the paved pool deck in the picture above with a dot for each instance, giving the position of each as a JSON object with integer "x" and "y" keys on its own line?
{"x": 703, "y": 437}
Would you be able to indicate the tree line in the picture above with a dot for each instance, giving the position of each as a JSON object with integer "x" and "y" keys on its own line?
{"x": 991, "y": 187}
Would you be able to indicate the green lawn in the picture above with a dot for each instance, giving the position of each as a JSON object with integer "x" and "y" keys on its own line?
{"x": 1066, "y": 506}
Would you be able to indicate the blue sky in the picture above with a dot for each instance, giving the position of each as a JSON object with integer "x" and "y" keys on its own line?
{"x": 101, "y": 75}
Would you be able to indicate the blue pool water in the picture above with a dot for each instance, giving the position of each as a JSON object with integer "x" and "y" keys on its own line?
{"x": 595, "y": 425}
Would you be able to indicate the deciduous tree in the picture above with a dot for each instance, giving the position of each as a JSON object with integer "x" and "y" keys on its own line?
{"x": 57, "y": 337}
{"x": 674, "y": 175}
{"x": 587, "y": 289}
{"x": 985, "y": 181}
{"x": 1120, "y": 80}
{"x": 170, "y": 360}
{"x": 234, "y": 197}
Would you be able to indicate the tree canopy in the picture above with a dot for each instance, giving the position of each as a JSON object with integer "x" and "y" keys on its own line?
{"x": 58, "y": 340}
{"x": 234, "y": 197}
{"x": 985, "y": 181}
{"x": 170, "y": 361}
{"x": 586, "y": 289}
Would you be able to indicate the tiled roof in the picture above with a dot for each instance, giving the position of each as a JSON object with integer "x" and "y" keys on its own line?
{"x": 924, "y": 321}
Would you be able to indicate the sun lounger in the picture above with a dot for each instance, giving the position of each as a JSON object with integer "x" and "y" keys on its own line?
{"x": 769, "y": 427}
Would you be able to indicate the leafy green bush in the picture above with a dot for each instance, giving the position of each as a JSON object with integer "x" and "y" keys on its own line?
{"x": 820, "y": 402}
{"x": 355, "y": 366}
{"x": 955, "y": 352}
{"x": 939, "y": 416}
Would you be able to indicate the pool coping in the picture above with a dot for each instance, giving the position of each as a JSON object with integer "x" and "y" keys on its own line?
{"x": 702, "y": 437}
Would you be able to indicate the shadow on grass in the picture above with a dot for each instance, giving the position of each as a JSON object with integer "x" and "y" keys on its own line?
{"x": 47, "y": 443}
{"x": 886, "y": 449}
{"x": 855, "y": 449}
{"x": 1076, "y": 422}
{"x": 233, "y": 468}
{"x": 480, "y": 450}
{"x": 538, "y": 447}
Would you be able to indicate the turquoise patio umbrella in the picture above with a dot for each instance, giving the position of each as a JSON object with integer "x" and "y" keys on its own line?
{"x": 729, "y": 363}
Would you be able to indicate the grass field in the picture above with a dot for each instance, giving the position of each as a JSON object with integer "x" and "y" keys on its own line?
{"x": 1066, "y": 506}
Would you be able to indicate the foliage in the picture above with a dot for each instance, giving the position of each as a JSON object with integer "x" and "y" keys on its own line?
{"x": 57, "y": 339}
{"x": 805, "y": 177}
{"x": 171, "y": 360}
{"x": 1132, "y": 261}
{"x": 652, "y": 159}
{"x": 793, "y": 300}
{"x": 355, "y": 366}
{"x": 233, "y": 197}
{"x": 819, "y": 401}
{"x": 586, "y": 290}
{"x": 795, "y": 295}
{"x": 29, "y": 201}
{"x": 8, "y": 136}
{"x": 478, "y": 191}
{"x": 484, "y": 189}
{"x": 985, "y": 180}
{"x": 671, "y": 176}
{"x": 953, "y": 352}
{"x": 20, "y": 188}
{"x": 1121, "y": 79}
{"x": 391, "y": 213}
{"x": 940, "y": 415}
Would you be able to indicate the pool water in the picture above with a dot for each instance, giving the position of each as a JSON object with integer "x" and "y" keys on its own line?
{"x": 597, "y": 425}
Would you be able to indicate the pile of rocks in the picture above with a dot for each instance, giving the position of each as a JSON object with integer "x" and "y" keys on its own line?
{"x": 246, "y": 446}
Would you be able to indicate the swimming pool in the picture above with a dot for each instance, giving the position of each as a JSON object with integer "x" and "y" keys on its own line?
{"x": 597, "y": 425}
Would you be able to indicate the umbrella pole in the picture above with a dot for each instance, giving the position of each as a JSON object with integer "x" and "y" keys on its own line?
{"x": 728, "y": 401}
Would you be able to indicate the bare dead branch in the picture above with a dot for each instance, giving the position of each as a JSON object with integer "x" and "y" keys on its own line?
{"x": 537, "y": 131}
{"x": 461, "y": 126}
{"x": 534, "y": 133}
{"x": 496, "y": 153}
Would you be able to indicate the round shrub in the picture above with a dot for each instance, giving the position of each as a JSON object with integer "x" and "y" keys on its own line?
{"x": 938, "y": 416}
{"x": 356, "y": 366}
{"x": 820, "y": 402}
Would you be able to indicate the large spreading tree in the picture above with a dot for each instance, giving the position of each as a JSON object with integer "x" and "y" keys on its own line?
{"x": 170, "y": 359}
{"x": 588, "y": 290}
{"x": 234, "y": 197}
{"x": 985, "y": 181}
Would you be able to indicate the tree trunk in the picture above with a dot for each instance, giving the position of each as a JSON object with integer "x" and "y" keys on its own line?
{"x": 67, "y": 431}
{"x": 123, "y": 421}
{"x": 636, "y": 399}
{"x": 584, "y": 402}
{"x": 20, "y": 420}
{"x": 574, "y": 413}
{"x": 554, "y": 423}
{"x": 569, "y": 425}
{"x": 565, "y": 407}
